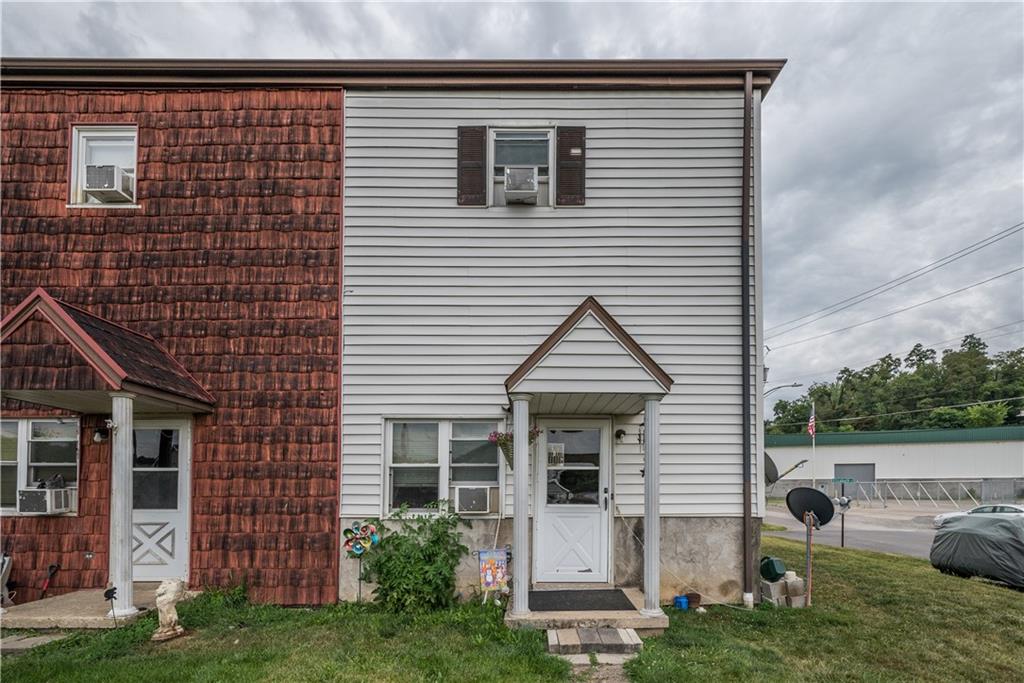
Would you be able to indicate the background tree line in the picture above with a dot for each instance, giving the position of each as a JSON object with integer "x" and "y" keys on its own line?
{"x": 921, "y": 380}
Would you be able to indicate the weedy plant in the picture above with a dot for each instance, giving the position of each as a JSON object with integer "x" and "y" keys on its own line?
{"x": 414, "y": 564}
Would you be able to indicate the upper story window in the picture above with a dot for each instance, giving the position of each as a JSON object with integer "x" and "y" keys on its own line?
{"x": 521, "y": 167}
{"x": 34, "y": 451}
{"x": 509, "y": 166}
{"x": 103, "y": 165}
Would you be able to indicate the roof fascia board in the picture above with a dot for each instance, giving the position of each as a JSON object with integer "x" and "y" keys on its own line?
{"x": 391, "y": 73}
{"x": 169, "y": 397}
{"x": 625, "y": 349}
{"x": 591, "y": 306}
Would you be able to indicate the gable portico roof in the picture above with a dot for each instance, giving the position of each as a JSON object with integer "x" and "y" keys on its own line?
{"x": 590, "y": 307}
{"x": 124, "y": 359}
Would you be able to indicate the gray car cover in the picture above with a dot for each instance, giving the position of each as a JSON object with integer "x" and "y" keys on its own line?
{"x": 977, "y": 545}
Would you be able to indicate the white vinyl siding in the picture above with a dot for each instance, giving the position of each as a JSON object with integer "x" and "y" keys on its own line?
{"x": 443, "y": 301}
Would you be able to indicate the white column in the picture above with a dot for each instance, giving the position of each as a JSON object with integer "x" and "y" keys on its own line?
{"x": 521, "y": 504}
{"x": 122, "y": 409}
{"x": 652, "y": 510}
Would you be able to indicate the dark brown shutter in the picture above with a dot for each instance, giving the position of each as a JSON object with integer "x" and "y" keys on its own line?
{"x": 570, "y": 165}
{"x": 472, "y": 171}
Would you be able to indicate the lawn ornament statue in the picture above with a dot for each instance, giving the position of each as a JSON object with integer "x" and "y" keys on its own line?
{"x": 167, "y": 596}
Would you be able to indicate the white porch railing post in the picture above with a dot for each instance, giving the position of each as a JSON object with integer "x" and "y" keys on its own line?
{"x": 652, "y": 509}
{"x": 122, "y": 413}
{"x": 521, "y": 504}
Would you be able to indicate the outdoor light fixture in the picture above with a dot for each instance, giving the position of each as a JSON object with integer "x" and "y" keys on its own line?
{"x": 620, "y": 434}
{"x": 100, "y": 435}
{"x": 640, "y": 434}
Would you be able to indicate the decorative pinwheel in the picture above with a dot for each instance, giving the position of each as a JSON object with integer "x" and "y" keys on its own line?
{"x": 359, "y": 538}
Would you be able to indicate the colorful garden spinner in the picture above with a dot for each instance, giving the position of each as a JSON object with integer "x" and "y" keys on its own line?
{"x": 359, "y": 538}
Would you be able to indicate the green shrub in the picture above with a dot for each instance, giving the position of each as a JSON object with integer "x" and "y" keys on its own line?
{"x": 414, "y": 563}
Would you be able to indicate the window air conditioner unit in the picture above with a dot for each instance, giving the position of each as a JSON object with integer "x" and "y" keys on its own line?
{"x": 520, "y": 184}
{"x": 44, "y": 501}
{"x": 109, "y": 184}
{"x": 473, "y": 499}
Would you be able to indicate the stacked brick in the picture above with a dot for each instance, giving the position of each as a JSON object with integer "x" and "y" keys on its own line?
{"x": 232, "y": 264}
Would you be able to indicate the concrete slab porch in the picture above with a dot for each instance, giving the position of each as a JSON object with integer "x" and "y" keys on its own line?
{"x": 80, "y": 609}
{"x": 624, "y": 619}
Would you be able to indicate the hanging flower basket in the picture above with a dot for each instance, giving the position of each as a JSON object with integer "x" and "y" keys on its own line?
{"x": 505, "y": 441}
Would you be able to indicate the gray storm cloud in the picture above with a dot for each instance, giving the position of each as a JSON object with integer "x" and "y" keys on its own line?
{"x": 894, "y": 136}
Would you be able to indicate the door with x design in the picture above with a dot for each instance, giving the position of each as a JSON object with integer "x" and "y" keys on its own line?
{"x": 572, "y": 501}
{"x": 160, "y": 500}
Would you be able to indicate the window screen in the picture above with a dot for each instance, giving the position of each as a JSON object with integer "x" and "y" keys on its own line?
{"x": 8, "y": 463}
{"x": 52, "y": 451}
{"x": 521, "y": 148}
{"x": 474, "y": 458}
{"x": 415, "y": 471}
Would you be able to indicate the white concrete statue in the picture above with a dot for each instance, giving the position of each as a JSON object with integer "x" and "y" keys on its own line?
{"x": 167, "y": 596}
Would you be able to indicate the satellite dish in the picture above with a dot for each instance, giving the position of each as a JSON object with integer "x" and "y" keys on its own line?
{"x": 771, "y": 472}
{"x": 804, "y": 499}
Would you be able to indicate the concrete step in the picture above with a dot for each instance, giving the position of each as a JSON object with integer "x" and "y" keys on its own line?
{"x": 23, "y": 642}
{"x": 575, "y": 641}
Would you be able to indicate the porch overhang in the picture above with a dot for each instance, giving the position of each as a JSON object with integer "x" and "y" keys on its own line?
{"x": 589, "y": 365}
{"x": 58, "y": 355}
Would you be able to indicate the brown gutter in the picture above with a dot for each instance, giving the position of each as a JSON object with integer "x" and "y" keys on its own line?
{"x": 745, "y": 203}
{"x": 647, "y": 73}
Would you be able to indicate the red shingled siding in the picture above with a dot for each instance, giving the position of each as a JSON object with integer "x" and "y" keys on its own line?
{"x": 232, "y": 263}
{"x": 36, "y": 356}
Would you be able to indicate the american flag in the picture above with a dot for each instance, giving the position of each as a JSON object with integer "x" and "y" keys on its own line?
{"x": 810, "y": 422}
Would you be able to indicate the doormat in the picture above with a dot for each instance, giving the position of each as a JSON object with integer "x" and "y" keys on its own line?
{"x": 580, "y": 601}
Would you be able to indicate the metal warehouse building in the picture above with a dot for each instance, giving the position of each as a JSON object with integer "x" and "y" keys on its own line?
{"x": 986, "y": 463}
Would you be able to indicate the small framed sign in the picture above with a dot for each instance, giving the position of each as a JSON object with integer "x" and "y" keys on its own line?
{"x": 556, "y": 454}
{"x": 493, "y": 570}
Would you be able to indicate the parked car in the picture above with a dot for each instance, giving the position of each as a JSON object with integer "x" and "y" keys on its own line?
{"x": 1002, "y": 511}
{"x": 981, "y": 545}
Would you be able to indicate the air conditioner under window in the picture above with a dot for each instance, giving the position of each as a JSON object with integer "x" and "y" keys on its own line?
{"x": 109, "y": 184}
{"x": 44, "y": 501}
{"x": 520, "y": 184}
{"x": 473, "y": 499}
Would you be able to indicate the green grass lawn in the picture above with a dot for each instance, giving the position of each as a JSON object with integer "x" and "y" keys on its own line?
{"x": 232, "y": 641}
{"x": 875, "y": 617}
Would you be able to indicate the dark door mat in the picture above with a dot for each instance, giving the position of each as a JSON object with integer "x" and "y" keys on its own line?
{"x": 580, "y": 601}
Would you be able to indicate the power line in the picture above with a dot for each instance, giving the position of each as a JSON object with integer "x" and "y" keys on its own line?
{"x": 900, "y": 310}
{"x": 927, "y": 346}
{"x": 901, "y": 412}
{"x": 896, "y": 282}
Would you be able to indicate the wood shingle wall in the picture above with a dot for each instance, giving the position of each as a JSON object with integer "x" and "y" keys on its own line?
{"x": 231, "y": 263}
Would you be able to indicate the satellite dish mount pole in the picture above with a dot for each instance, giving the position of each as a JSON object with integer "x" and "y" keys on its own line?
{"x": 810, "y": 521}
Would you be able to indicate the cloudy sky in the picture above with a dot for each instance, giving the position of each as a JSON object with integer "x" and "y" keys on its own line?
{"x": 893, "y": 138}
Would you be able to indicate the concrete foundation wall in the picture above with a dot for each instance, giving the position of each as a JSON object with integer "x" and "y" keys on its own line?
{"x": 698, "y": 554}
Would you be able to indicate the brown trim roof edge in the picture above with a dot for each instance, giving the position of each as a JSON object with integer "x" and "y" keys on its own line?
{"x": 639, "y": 73}
{"x": 590, "y": 305}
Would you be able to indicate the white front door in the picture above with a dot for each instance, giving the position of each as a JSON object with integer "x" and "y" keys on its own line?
{"x": 160, "y": 499}
{"x": 572, "y": 501}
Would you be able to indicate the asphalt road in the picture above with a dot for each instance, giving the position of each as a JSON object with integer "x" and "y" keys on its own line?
{"x": 901, "y": 536}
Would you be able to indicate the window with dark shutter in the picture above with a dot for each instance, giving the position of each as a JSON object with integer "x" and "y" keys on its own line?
{"x": 472, "y": 166}
{"x": 570, "y": 165}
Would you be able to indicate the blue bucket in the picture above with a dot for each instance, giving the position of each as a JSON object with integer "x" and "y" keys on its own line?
{"x": 681, "y": 602}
